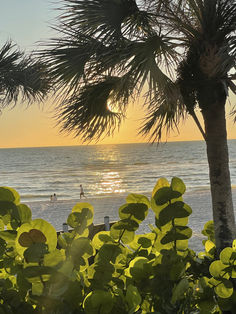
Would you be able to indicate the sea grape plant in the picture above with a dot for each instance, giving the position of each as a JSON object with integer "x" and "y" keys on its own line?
{"x": 117, "y": 271}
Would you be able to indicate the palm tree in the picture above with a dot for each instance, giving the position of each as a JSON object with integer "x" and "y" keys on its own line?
{"x": 21, "y": 77}
{"x": 178, "y": 54}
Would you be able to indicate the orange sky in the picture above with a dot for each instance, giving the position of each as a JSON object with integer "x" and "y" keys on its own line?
{"x": 35, "y": 127}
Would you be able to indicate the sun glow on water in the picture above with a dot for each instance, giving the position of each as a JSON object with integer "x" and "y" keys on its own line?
{"x": 110, "y": 182}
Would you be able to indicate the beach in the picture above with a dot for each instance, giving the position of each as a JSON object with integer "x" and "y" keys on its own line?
{"x": 57, "y": 212}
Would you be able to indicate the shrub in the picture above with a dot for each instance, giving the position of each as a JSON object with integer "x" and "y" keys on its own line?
{"x": 118, "y": 271}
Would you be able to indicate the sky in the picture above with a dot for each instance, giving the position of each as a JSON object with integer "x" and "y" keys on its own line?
{"x": 27, "y": 22}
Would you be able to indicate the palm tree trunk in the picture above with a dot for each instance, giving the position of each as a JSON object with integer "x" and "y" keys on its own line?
{"x": 218, "y": 159}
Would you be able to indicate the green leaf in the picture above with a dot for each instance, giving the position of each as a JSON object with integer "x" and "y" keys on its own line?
{"x": 54, "y": 259}
{"x": 179, "y": 291}
{"x": 210, "y": 247}
{"x": 162, "y": 182}
{"x": 46, "y": 230}
{"x": 25, "y": 214}
{"x": 81, "y": 247}
{"x": 227, "y": 255}
{"x": 124, "y": 230}
{"x": 109, "y": 252}
{"x": 127, "y": 224}
{"x": 133, "y": 298}
{"x": 177, "y": 233}
{"x": 35, "y": 253}
{"x": 98, "y": 299}
{"x": 176, "y": 210}
{"x": 136, "y": 267}
{"x": 37, "y": 271}
{"x": 78, "y": 220}
{"x": 9, "y": 194}
{"x": 136, "y": 211}
{"x": 100, "y": 238}
{"x": 178, "y": 185}
{"x": 224, "y": 289}
{"x": 6, "y": 207}
{"x": 85, "y": 209}
{"x": 217, "y": 268}
{"x": 138, "y": 198}
{"x": 165, "y": 195}
{"x": 9, "y": 236}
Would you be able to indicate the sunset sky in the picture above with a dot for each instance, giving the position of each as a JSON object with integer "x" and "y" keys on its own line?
{"x": 26, "y": 22}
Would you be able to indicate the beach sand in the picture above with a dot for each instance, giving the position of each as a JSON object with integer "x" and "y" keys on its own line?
{"x": 57, "y": 212}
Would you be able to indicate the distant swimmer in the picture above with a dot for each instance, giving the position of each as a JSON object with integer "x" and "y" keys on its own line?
{"x": 81, "y": 191}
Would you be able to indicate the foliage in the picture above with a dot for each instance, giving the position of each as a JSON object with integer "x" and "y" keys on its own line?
{"x": 118, "y": 271}
{"x": 21, "y": 77}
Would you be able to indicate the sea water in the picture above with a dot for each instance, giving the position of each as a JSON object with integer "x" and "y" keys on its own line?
{"x": 108, "y": 173}
{"x": 105, "y": 170}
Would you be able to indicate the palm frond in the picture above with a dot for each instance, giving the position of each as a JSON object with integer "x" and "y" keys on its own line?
{"x": 87, "y": 115}
{"x": 165, "y": 111}
{"x": 21, "y": 77}
{"x": 100, "y": 17}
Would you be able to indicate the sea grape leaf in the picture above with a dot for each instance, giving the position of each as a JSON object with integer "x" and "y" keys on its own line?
{"x": 58, "y": 285}
{"x": 54, "y": 259}
{"x": 208, "y": 230}
{"x": 100, "y": 238}
{"x": 228, "y": 255}
{"x": 6, "y": 207}
{"x": 165, "y": 195}
{"x": 9, "y": 194}
{"x": 78, "y": 220}
{"x": 133, "y": 298}
{"x": 210, "y": 247}
{"x": 176, "y": 210}
{"x": 109, "y": 252}
{"x": 37, "y": 288}
{"x": 124, "y": 235}
{"x": 136, "y": 267}
{"x": 9, "y": 236}
{"x": 217, "y": 268}
{"x": 35, "y": 252}
{"x": 177, "y": 233}
{"x": 98, "y": 299}
{"x": 178, "y": 185}
{"x": 138, "y": 211}
{"x": 127, "y": 224}
{"x": 81, "y": 247}
{"x": 224, "y": 289}
{"x": 124, "y": 230}
{"x": 85, "y": 209}
{"x": 44, "y": 230}
{"x": 162, "y": 182}
{"x": 179, "y": 291}
{"x": 141, "y": 241}
{"x": 25, "y": 214}
{"x": 37, "y": 271}
{"x": 138, "y": 198}
{"x": 100, "y": 274}
{"x": 26, "y": 239}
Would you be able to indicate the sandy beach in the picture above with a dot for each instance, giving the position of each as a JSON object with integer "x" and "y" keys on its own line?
{"x": 57, "y": 212}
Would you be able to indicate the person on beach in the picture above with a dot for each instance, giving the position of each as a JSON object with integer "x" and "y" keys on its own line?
{"x": 51, "y": 198}
{"x": 81, "y": 191}
{"x": 54, "y": 197}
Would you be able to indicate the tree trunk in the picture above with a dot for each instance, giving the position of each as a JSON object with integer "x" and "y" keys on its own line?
{"x": 218, "y": 159}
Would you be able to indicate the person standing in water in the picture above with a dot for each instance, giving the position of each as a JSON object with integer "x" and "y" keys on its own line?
{"x": 81, "y": 191}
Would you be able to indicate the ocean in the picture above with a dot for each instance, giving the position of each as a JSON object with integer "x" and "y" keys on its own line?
{"x": 108, "y": 174}
{"x": 105, "y": 170}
